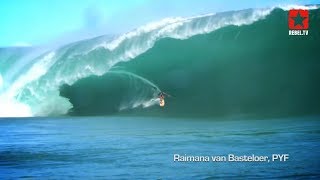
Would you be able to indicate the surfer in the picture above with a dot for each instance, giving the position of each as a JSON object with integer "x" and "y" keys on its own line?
{"x": 161, "y": 96}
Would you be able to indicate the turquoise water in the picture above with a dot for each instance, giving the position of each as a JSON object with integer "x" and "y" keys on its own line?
{"x": 143, "y": 148}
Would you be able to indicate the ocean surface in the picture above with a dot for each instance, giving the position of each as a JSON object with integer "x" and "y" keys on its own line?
{"x": 143, "y": 148}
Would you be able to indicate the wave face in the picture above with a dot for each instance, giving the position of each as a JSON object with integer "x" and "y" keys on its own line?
{"x": 232, "y": 63}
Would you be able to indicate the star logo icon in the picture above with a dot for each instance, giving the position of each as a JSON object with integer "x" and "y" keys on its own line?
{"x": 298, "y": 19}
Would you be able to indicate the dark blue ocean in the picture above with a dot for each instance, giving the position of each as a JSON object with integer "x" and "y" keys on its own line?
{"x": 143, "y": 148}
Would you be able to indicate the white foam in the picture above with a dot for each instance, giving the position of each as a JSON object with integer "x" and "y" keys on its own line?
{"x": 12, "y": 108}
{"x": 35, "y": 72}
{"x": 144, "y": 29}
{"x": 150, "y": 102}
{"x": 9, "y": 105}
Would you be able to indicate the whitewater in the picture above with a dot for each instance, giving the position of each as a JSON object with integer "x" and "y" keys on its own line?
{"x": 30, "y": 79}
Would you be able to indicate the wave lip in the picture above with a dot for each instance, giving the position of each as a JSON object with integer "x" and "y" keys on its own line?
{"x": 181, "y": 28}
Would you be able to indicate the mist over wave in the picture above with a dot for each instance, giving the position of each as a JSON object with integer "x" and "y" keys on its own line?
{"x": 215, "y": 64}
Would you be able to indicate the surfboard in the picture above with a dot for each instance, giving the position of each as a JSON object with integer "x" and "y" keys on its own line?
{"x": 161, "y": 102}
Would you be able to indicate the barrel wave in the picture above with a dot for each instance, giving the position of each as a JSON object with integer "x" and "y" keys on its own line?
{"x": 226, "y": 64}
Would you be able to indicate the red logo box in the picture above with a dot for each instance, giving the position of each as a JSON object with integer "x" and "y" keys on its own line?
{"x": 300, "y": 15}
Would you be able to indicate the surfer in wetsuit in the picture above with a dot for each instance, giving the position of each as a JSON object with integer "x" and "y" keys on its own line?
{"x": 161, "y": 96}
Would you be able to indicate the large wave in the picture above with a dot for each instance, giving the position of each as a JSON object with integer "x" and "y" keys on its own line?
{"x": 206, "y": 62}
